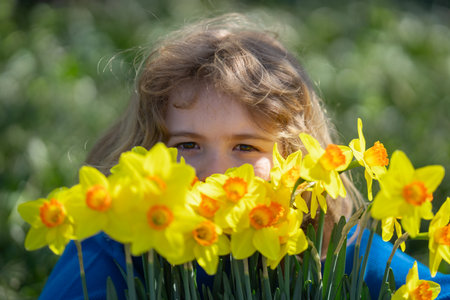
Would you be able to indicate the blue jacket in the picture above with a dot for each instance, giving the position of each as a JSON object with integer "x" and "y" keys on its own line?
{"x": 101, "y": 256}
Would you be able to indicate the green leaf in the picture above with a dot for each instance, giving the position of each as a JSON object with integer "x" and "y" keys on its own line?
{"x": 111, "y": 293}
{"x": 140, "y": 289}
{"x": 391, "y": 280}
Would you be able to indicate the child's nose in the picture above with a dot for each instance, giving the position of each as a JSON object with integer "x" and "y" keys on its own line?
{"x": 215, "y": 163}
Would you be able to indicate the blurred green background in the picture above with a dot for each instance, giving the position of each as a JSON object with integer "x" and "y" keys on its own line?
{"x": 67, "y": 70}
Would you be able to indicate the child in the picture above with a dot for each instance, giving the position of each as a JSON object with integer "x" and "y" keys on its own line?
{"x": 222, "y": 93}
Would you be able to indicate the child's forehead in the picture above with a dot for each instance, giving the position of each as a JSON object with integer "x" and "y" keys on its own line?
{"x": 205, "y": 110}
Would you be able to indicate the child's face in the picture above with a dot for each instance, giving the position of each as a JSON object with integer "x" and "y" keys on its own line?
{"x": 216, "y": 133}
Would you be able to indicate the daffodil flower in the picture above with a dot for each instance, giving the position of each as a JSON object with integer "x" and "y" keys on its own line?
{"x": 292, "y": 239}
{"x": 204, "y": 243}
{"x": 159, "y": 218}
{"x": 285, "y": 172}
{"x": 273, "y": 228}
{"x": 374, "y": 159}
{"x": 387, "y": 230}
{"x": 98, "y": 204}
{"x": 439, "y": 237}
{"x": 50, "y": 223}
{"x": 322, "y": 165}
{"x": 235, "y": 192}
{"x": 416, "y": 289}
{"x": 406, "y": 192}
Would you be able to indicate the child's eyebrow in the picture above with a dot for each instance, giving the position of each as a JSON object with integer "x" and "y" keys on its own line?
{"x": 243, "y": 136}
{"x": 185, "y": 134}
{"x": 246, "y": 136}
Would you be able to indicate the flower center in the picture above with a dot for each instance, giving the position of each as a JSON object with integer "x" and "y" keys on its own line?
{"x": 98, "y": 198}
{"x": 376, "y": 155}
{"x": 278, "y": 211}
{"x": 205, "y": 234}
{"x": 159, "y": 217}
{"x": 208, "y": 206}
{"x": 332, "y": 158}
{"x": 261, "y": 216}
{"x": 158, "y": 181}
{"x": 442, "y": 235}
{"x": 422, "y": 292}
{"x": 291, "y": 176}
{"x": 52, "y": 213}
{"x": 416, "y": 193}
{"x": 235, "y": 188}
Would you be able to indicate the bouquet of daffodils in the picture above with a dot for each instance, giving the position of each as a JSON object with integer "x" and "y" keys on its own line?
{"x": 244, "y": 230}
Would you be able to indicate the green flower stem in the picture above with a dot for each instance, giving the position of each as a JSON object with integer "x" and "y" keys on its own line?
{"x": 287, "y": 266}
{"x": 268, "y": 293}
{"x": 366, "y": 256}
{"x": 397, "y": 244}
{"x": 356, "y": 258}
{"x": 192, "y": 281}
{"x": 187, "y": 293}
{"x": 130, "y": 274}
{"x": 237, "y": 276}
{"x": 319, "y": 238}
{"x": 351, "y": 165}
{"x": 248, "y": 288}
{"x": 423, "y": 236}
{"x": 82, "y": 273}
{"x": 296, "y": 184}
{"x": 151, "y": 275}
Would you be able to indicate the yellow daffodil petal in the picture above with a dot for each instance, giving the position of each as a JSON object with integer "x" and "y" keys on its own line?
{"x": 266, "y": 241}
{"x": 242, "y": 244}
{"x": 369, "y": 182}
{"x": 312, "y": 145}
{"x": 278, "y": 160}
{"x": 300, "y": 203}
{"x": 36, "y": 238}
{"x": 431, "y": 176}
{"x": 387, "y": 228}
{"x": 415, "y": 288}
{"x": 207, "y": 258}
{"x": 90, "y": 176}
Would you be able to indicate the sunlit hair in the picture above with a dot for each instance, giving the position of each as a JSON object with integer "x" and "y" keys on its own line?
{"x": 249, "y": 65}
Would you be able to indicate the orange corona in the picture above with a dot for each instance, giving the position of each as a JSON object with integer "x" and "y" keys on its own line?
{"x": 235, "y": 188}
{"x": 208, "y": 206}
{"x": 205, "y": 234}
{"x": 376, "y": 155}
{"x": 332, "y": 158}
{"x": 98, "y": 198}
{"x": 52, "y": 213}
{"x": 442, "y": 235}
{"x": 159, "y": 217}
{"x": 416, "y": 193}
{"x": 158, "y": 181}
{"x": 278, "y": 211}
{"x": 422, "y": 292}
{"x": 261, "y": 216}
{"x": 291, "y": 176}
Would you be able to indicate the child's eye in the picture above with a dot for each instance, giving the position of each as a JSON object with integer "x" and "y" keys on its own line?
{"x": 187, "y": 146}
{"x": 245, "y": 148}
